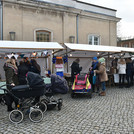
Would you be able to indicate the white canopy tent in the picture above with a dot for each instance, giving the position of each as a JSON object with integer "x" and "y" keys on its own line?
{"x": 27, "y": 46}
{"x": 87, "y": 47}
{"x": 97, "y": 48}
{"x": 126, "y": 49}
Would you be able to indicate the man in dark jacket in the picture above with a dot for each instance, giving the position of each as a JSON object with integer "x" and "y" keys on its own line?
{"x": 75, "y": 69}
{"x": 22, "y": 71}
{"x": 91, "y": 69}
{"x": 129, "y": 72}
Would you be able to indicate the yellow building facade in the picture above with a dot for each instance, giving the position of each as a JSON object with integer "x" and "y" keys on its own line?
{"x": 83, "y": 23}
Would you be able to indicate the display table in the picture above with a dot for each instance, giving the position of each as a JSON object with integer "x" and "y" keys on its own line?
{"x": 67, "y": 76}
{"x": 116, "y": 78}
{"x": 47, "y": 80}
{"x": 2, "y": 83}
{"x": 110, "y": 81}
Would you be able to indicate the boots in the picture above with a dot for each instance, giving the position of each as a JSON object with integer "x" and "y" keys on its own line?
{"x": 102, "y": 94}
{"x": 98, "y": 90}
{"x": 9, "y": 108}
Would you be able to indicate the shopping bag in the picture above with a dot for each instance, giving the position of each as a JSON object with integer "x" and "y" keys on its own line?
{"x": 94, "y": 78}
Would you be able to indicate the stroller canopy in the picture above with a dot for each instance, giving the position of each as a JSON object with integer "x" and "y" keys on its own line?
{"x": 35, "y": 80}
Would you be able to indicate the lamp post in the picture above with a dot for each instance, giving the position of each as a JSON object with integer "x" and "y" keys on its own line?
{"x": 71, "y": 39}
{"x": 12, "y": 36}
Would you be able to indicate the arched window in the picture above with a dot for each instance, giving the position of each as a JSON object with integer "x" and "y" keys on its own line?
{"x": 43, "y": 36}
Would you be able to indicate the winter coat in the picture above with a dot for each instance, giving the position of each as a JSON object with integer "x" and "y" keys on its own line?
{"x": 91, "y": 69}
{"x": 102, "y": 73}
{"x": 11, "y": 74}
{"x": 34, "y": 69}
{"x": 22, "y": 71}
{"x": 121, "y": 68}
{"x": 75, "y": 69}
{"x": 94, "y": 67}
{"x": 129, "y": 68}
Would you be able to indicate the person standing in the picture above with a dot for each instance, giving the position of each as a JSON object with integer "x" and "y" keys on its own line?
{"x": 35, "y": 67}
{"x": 102, "y": 75}
{"x": 75, "y": 69}
{"x": 91, "y": 70}
{"x": 122, "y": 72}
{"x": 27, "y": 63}
{"x": 22, "y": 71}
{"x": 11, "y": 74}
{"x": 129, "y": 72}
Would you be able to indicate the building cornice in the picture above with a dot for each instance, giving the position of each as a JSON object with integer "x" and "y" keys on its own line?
{"x": 59, "y": 8}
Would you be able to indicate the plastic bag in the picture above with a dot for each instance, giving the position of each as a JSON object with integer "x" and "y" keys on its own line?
{"x": 94, "y": 78}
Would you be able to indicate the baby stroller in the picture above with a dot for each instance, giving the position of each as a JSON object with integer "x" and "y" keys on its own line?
{"x": 81, "y": 85}
{"x": 48, "y": 98}
{"x": 50, "y": 101}
{"x": 25, "y": 95}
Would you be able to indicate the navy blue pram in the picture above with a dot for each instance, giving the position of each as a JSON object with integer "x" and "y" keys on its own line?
{"x": 25, "y": 95}
{"x": 36, "y": 87}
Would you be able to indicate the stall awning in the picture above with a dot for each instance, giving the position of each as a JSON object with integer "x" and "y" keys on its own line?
{"x": 96, "y": 48}
{"x": 27, "y": 46}
{"x": 126, "y": 49}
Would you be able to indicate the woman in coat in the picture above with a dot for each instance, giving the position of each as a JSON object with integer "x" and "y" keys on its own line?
{"x": 11, "y": 74}
{"x": 35, "y": 67}
{"x": 122, "y": 72}
{"x": 102, "y": 75}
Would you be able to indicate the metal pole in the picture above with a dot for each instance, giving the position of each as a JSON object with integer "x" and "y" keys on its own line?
{"x": 77, "y": 27}
{"x": 1, "y": 18}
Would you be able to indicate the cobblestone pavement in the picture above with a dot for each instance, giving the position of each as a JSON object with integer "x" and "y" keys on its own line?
{"x": 111, "y": 114}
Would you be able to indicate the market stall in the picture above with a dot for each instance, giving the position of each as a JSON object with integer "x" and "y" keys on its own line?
{"x": 43, "y": 51}
{"x": 86, "y": 51}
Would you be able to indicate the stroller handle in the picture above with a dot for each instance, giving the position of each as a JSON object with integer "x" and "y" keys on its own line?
{"x": 8, "y": 91}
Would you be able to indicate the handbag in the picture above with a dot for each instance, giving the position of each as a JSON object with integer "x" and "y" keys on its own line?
{"x": 94, "y": 78}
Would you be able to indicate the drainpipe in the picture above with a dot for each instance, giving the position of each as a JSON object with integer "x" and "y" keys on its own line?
{"x": 109, "y": 34}
{"x": 77, "y": 28}
{"x": 1, "y": 18}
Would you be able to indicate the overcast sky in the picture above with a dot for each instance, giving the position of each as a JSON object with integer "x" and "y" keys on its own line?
{"x": 125, "y": 11}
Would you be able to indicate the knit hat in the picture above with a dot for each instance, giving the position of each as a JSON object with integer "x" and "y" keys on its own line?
{"x": 95, "y": 58}
{"x": 101, "y": 60}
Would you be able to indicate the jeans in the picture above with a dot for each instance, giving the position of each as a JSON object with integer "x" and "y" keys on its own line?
{"x": 103, "y": 86}
{"x": 121, "y": 79}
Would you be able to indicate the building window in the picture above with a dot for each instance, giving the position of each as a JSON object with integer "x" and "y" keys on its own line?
{"x": 132, "y": 45}
{"x": 94, "y": 40}
{"x": 125, "y": 45}
{"x": 43, "y": 36}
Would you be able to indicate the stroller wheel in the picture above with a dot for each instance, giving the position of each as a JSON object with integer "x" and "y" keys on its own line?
{"x": 90, "y": 96}
{"x": 16, "y": 116}
{"x": 36, "y": 115}
{"x": 72, "y": 95}
{"x": 42, "y": 106}
{"x": 60, "y": 101}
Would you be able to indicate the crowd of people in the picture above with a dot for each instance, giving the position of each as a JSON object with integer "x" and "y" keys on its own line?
{"x": 16, "y": 75}
{"x": 124, "y": 67}
{"x": 97, "y": 68}
{"x": 125, "y": 70}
